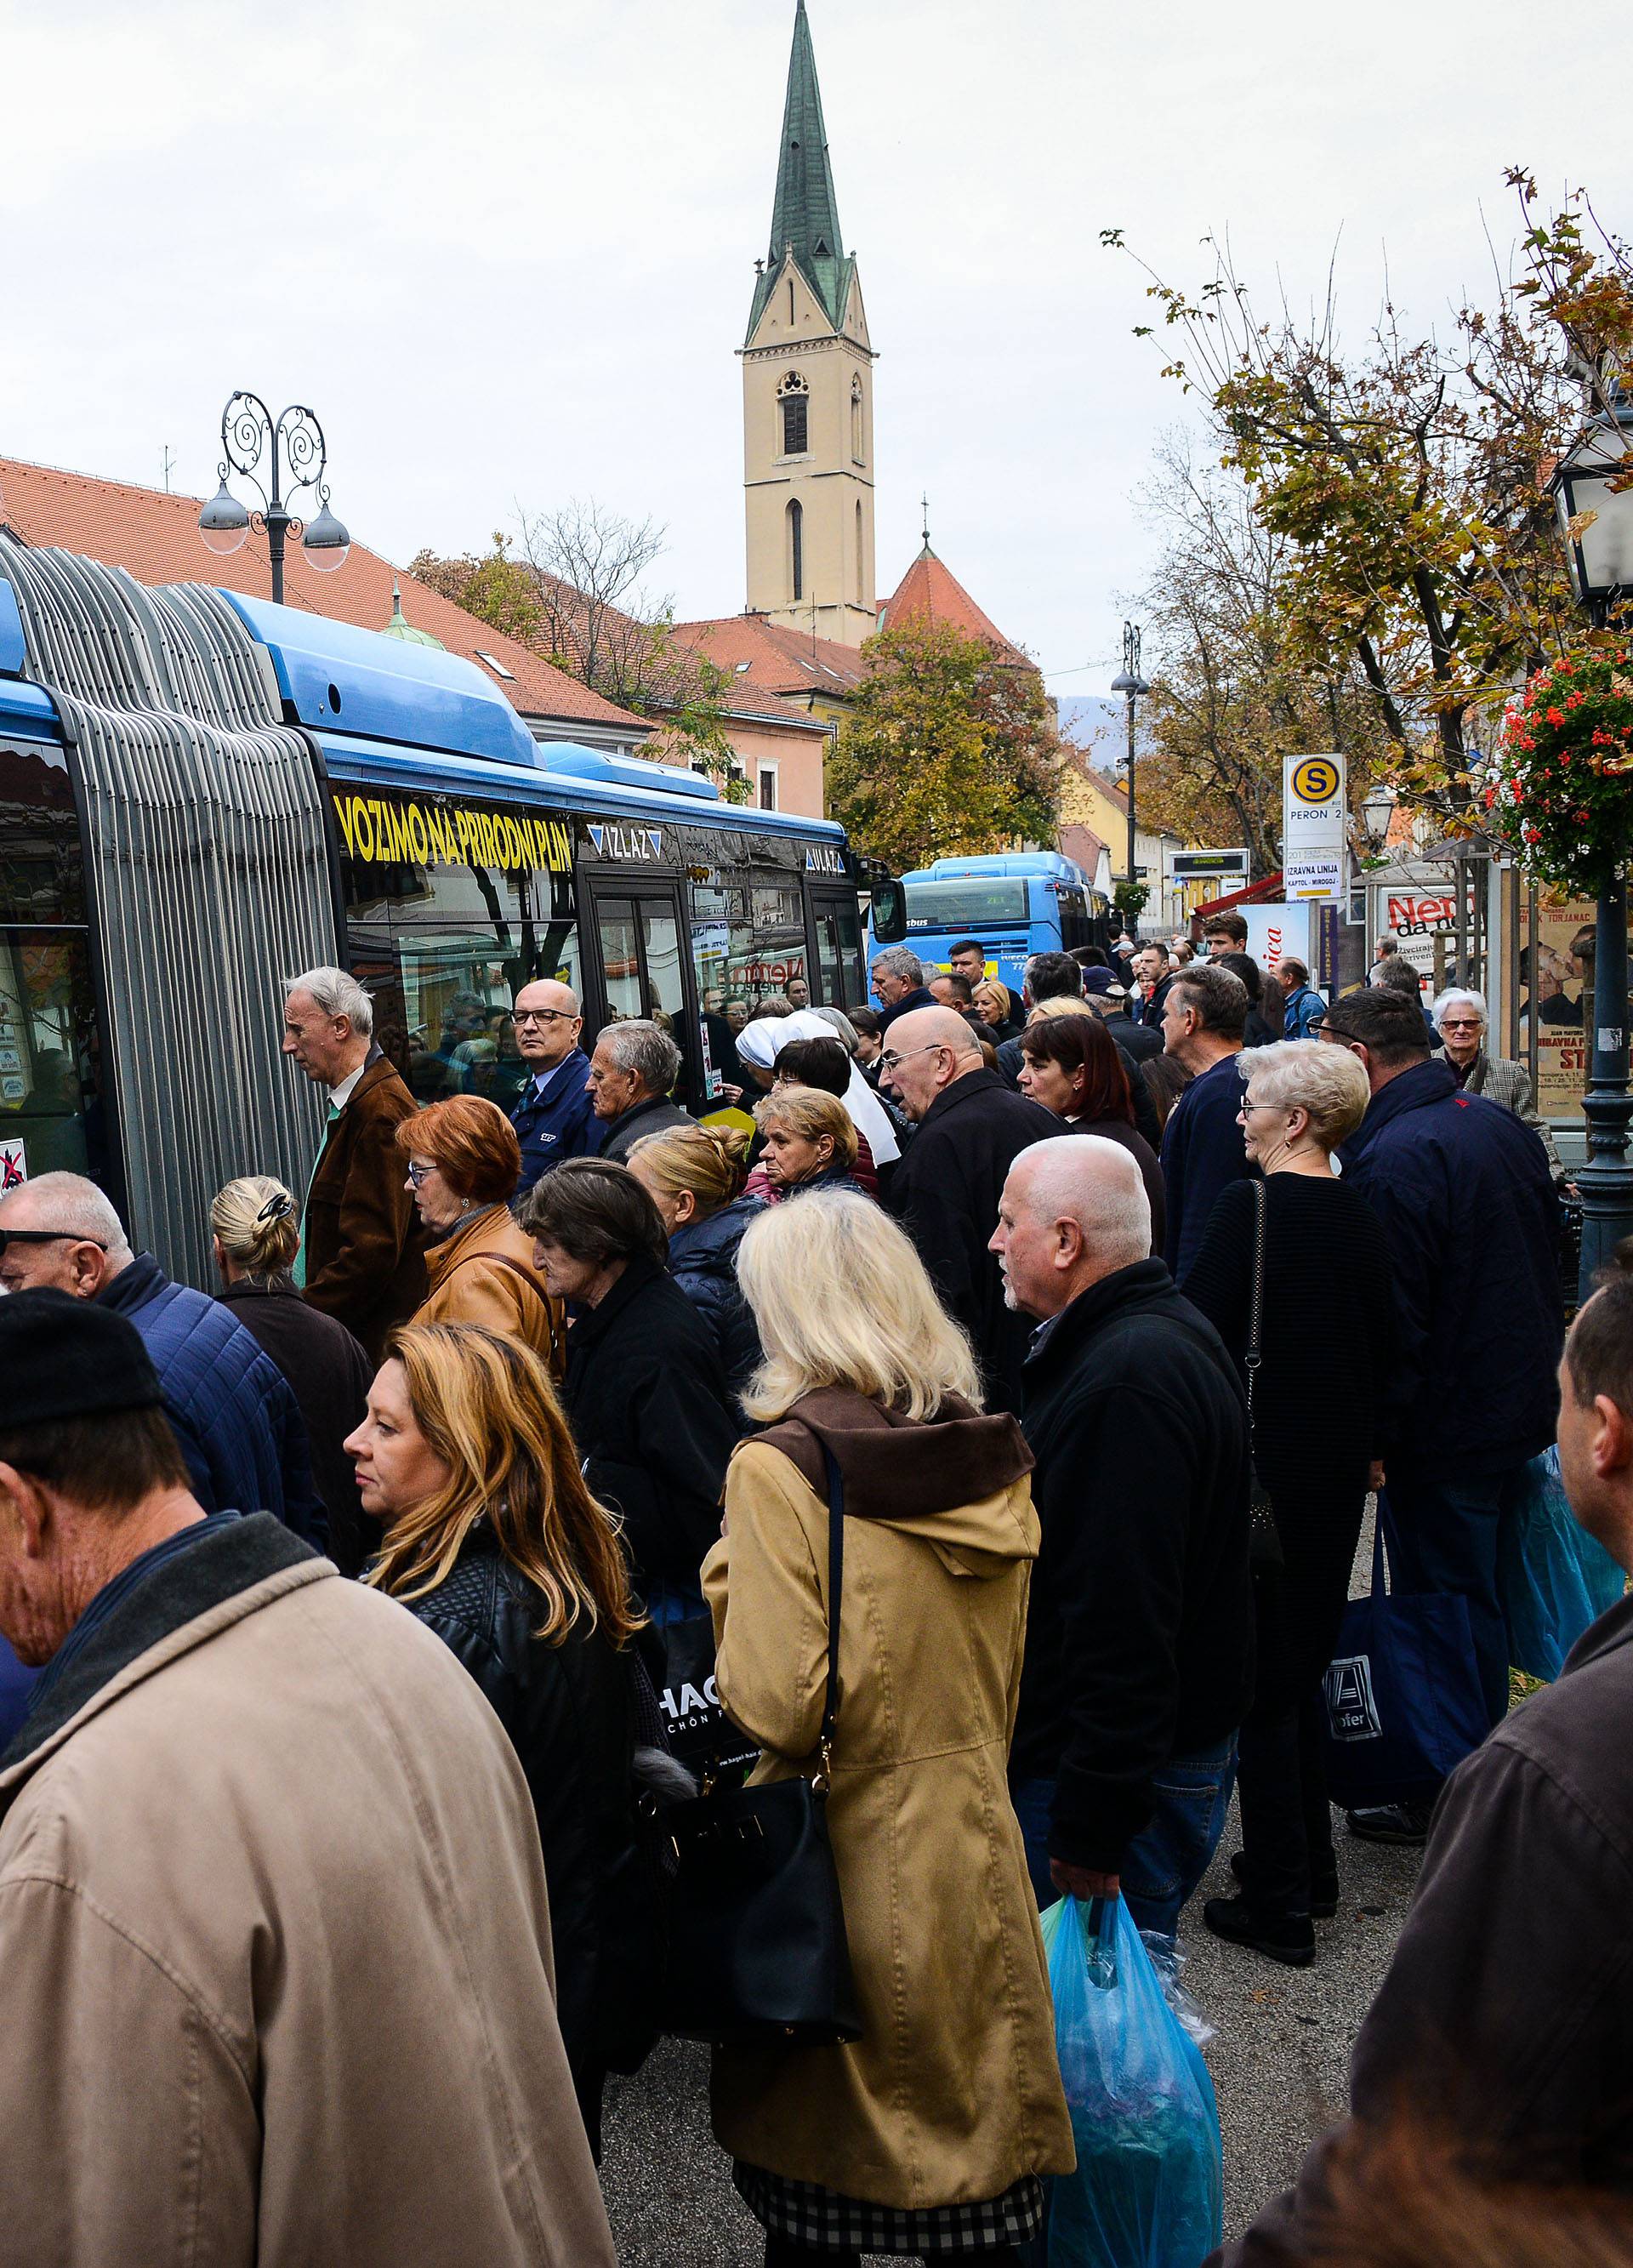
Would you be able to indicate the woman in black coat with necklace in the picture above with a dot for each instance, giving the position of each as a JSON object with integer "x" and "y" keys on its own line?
{"x": 1326, "y": 1344}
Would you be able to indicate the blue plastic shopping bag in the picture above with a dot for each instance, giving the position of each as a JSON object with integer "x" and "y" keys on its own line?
{"x": 1555, "y": 1578}
{"x": 1148, "y": 2188}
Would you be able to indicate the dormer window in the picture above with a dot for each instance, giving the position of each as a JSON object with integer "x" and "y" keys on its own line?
{"x": 794, "y": 404}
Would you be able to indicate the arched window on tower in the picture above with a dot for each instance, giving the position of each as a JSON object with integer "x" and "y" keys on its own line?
{"x": 796, "y": 549}
{"x": 861, "y": 564}
{"x": 855, "y": 420}
{"x": 794, "y": 404}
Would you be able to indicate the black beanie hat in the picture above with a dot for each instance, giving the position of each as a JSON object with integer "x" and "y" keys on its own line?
{"x": 66, "y": 1357}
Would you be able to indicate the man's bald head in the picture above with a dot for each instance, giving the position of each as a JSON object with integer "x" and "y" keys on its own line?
{"x": 1073, "y": 1209}
{"x": 71, "y": 1237}
{"x": 925, "y": 1050}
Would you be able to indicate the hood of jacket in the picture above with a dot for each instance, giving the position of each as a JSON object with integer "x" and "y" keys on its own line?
{"x": 950, "y": 1479}
{"x": 709, "y": 1247}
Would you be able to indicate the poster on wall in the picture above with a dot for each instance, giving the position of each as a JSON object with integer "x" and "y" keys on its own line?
{"x": 13, "y": 1164}
{"x": 1556, "y": 973}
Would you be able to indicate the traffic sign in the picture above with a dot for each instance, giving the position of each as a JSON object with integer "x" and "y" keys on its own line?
{"x": 1314, "y": 825}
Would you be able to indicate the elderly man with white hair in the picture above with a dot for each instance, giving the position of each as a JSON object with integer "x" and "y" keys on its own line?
{"x": 361, "y": 1257}
{"x": 1139, "y": 1641}
{"x": 1460, "y": 1017}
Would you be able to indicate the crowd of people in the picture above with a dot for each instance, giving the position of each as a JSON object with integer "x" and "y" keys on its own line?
{"x": 518, "y": 1401}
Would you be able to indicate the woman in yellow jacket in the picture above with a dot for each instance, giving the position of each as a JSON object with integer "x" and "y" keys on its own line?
{"x": 463, "y": 1163}
{"x": 931, "y": 2132}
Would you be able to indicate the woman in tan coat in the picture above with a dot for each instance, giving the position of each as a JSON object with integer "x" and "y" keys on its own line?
{"x": 930, "y": 2134}
{"x": 464, "y": 1163}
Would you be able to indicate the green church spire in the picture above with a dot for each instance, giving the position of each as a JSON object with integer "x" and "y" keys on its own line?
{"x": 806, "y": 212}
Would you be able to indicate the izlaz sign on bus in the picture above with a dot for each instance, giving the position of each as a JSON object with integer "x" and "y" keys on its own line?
{"x": 399, "y": 831}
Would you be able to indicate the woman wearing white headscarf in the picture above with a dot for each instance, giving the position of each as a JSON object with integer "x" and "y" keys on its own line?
{"x": 758, "y": 1045}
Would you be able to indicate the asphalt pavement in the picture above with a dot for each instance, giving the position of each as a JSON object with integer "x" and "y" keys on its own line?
{"x": 1278, "y": 2061}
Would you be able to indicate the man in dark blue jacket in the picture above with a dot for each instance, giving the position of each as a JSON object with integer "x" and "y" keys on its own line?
{"x": 230, "y": 1408}
{"x": 1203, "y": 1019}
{"x": 554, "y": 1112}
{"x": 1463, "y": 1191}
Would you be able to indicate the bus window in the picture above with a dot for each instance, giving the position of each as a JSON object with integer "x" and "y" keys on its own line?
{"x": 639, "y": 935}
{"x": 442, "y": 1001}
{"x": 970, "y": 902}
{"x": 839, "y": 952}
{"x": 51, "y": 1115}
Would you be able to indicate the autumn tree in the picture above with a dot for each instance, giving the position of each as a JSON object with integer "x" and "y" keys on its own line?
{"x": 1406, "y": 475}
{"x": 574, "y": 595}
{"x": 947, "y": 749}
{"x": 1234, "y": 688}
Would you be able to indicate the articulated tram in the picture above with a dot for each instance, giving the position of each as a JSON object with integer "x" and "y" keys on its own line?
{"x": 201, "y": 794}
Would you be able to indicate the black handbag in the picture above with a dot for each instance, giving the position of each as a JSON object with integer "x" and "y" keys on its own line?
{"x": 757, "y": 1948}
{"x": 1264, "y": 1542}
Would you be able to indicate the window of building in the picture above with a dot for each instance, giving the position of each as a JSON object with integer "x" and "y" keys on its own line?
{"x": 861, "y": 564}
{"x": 794, "y": 401}
{"x": 856, "y": 420}
{"x": 796, "y": 549}
{"x": 767, "y": 787}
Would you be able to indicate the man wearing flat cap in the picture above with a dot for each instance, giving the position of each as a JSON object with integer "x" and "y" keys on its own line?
{"x": 275, "y": 1948}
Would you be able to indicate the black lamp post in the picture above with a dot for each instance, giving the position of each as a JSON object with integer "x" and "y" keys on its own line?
{"x": 1597, "y": 523}
{"x": 1131, "y": 684}
{"x": 294, "y": 445}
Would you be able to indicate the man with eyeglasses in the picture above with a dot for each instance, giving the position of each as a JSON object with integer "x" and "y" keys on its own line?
{"x": 230, "y": 1408}
{"x": 945, "y": 1190}
{"x": 554, "y": 1113}
{"x": 1463, "y": 1193}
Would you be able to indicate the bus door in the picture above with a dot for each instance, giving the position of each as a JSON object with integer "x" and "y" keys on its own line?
{"x": 836, "y": 949}
{"x": 642, "y": 947}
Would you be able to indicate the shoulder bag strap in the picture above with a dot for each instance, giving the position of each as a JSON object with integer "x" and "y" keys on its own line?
{"x": 1255, "y": 1305}
{"x": 835, "y": 1585}
{"x": 503, "y": 1260}
{"x": 1475, "y": 1083}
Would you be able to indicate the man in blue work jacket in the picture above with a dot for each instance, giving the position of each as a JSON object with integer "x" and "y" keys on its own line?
{"x": 554, "y": 1115}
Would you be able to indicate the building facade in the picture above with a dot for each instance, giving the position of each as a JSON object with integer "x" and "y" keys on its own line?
{"x": 808, "y": 395}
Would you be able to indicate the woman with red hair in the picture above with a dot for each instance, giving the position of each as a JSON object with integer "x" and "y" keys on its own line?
{"x": 464, "y": 1163}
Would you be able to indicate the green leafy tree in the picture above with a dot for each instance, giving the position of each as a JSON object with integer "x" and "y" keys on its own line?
{"x": 1407, "y": 476}
{"x": 947, "y": 749}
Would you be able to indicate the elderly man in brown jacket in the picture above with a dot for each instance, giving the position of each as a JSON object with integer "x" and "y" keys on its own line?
{"x": 361, "y": 1257}
{"x": 275, "y": 1948}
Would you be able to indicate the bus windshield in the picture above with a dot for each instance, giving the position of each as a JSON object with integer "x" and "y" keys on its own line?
{"x": 973, "y": 901}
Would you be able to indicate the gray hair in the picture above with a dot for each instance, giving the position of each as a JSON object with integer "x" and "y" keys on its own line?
{"x": 77, "y": 1206}
{"x": 336, "y": 993}
{"x": 901, "y": 960}
{"x": 638, "y": 1046}
{"x": 841, "y": 1024}
{"x": 1313, "y": 1076}
{"x": 1460, "y": 995}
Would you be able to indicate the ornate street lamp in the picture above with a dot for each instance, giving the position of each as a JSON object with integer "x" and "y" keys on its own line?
{"x": 293, "y": 445}
{"x": 1596, "y": 521}
{"x": 1377, "y": 810}
{"x": 1131, "y": 684}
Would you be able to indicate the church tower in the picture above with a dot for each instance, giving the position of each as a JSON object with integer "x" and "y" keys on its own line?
{"x": 808, "y": 395}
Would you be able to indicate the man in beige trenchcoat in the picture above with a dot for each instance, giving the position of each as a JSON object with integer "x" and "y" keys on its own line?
{"x": 273, "y": 1942}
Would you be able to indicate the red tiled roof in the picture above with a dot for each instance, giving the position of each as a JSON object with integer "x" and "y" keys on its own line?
{"x": 789, "y": 663}
{"x": 154, "y": 536}
{"x": 930, "y": 591}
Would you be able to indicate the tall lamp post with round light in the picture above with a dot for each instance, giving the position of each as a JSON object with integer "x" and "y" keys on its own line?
{"x": 292, "y": 448}
{"x": 1596, "y": 520}
{"x": 1131, "y": 684}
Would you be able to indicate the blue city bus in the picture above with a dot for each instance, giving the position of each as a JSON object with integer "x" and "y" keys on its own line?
{"x": 1015, "y": 903}
{"x": 201, "y": 794}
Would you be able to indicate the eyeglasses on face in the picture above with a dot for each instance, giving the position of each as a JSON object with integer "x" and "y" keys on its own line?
{"x": 10, "y": 1236}
{"x": 419, "y": 1171}
{"x": 1462, "y": 1024}
{"x": 891, "y": 1062}
{"x": 543, "y": 1016}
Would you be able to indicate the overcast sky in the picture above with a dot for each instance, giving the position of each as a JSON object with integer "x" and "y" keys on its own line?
{"x": 506, "y": 252}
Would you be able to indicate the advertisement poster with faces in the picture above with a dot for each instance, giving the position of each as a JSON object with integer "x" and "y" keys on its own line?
{"x": 1557, "y": 975}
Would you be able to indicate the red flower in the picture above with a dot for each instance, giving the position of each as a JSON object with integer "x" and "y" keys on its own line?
{"x": 1556, "y": 716}
{"x": 1575, "y": 700}
{"x": 1491, "y": 797}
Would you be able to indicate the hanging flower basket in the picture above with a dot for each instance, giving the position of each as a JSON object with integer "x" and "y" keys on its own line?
{"x": 1564, "y": 797}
